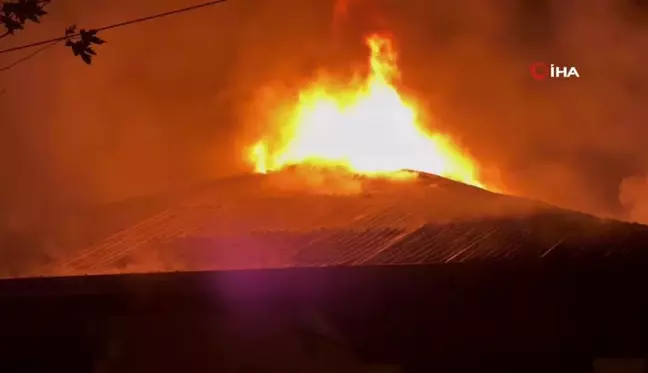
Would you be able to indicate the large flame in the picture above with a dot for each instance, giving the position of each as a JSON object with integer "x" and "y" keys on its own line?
{"x": 368, "y": 128}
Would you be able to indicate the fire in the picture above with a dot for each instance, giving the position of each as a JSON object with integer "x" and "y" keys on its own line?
{"x": 367, "y": 128}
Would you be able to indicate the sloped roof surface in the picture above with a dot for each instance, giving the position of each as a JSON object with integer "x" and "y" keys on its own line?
{"x": 277, "y": 221}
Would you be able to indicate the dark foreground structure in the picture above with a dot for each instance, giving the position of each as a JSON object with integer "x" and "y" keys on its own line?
{"x": 434, "y": 277}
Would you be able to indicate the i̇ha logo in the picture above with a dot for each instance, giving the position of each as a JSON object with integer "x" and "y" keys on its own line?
{"x": 542, "y": 71}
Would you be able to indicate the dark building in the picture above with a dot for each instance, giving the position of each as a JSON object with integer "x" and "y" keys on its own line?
{"x": 263, "y": 273}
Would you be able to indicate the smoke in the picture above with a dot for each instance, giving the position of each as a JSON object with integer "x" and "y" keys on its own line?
{"x": 634, "y": 198}
{"x": 313, "y": 180}
{"x": 161, "y": 108}
{"x": 568, "y": 142}
{"x": 172, "y": 102}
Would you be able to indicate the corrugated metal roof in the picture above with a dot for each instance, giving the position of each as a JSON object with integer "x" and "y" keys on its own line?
{"x": 252, "y": 223}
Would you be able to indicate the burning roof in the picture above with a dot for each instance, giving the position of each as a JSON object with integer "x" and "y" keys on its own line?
{"x": 346, "y": 176}
{"x": 282, "y": 220}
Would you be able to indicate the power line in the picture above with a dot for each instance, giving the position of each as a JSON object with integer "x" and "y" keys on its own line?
{"x": 30, "y": 55}
{"x": 125, "y": 23}
{"x": 51, "y": 42}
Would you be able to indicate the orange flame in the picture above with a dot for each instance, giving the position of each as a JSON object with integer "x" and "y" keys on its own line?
{"x": 369, "y": 129}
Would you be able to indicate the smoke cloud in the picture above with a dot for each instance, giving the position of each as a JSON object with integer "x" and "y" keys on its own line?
{"x": 634, "y": 198}
{"x": 172, "y": 102}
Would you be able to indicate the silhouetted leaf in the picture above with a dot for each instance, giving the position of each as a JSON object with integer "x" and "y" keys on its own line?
{"x": 78, "y": 48}
{"x": 21, "y": 16}
{"x": 90, "y": 37}
{"x": 86, "y": 58}
{"x": 14, "y": 14}
{"x": 10, "y": 8}
{"x": 10, "y": 24}
{"x": 70, "y": 30}
{"x": 81, "y": 43}
{"x": 85, "y": 35}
